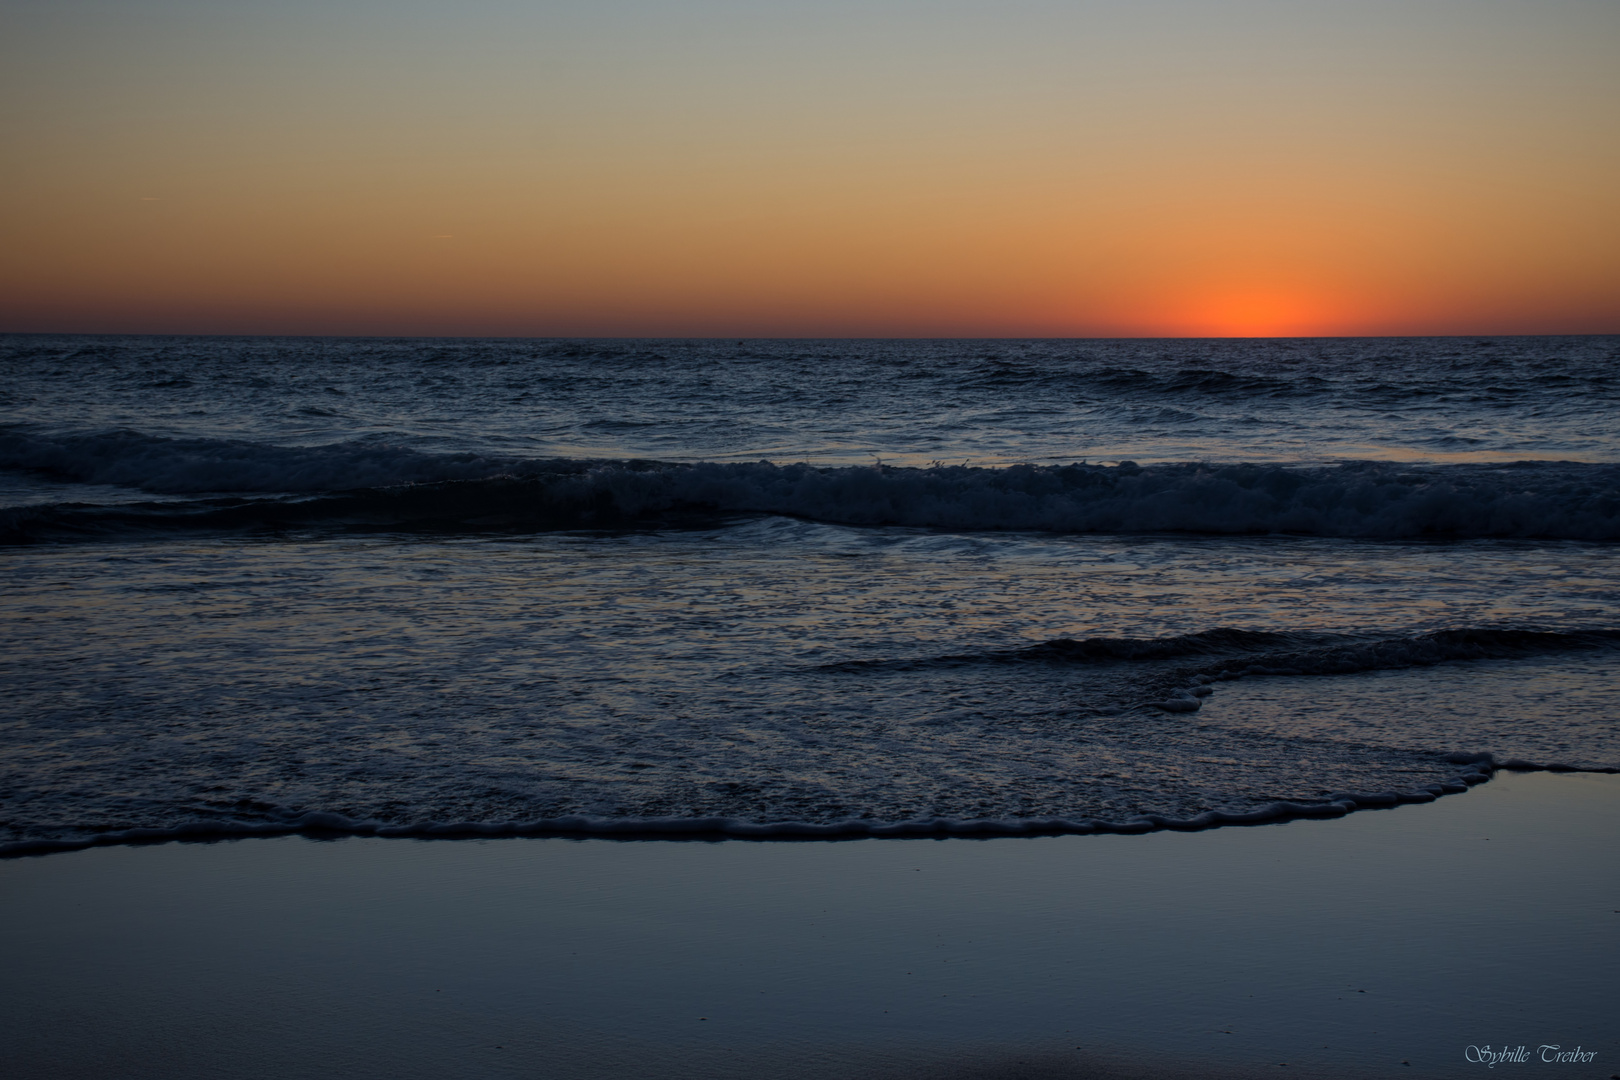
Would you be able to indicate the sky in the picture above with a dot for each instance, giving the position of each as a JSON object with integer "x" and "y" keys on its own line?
{"x": 825, "y": 168}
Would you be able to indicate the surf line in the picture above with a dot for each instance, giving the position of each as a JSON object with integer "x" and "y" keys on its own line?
{"x": 1479, "y": 769}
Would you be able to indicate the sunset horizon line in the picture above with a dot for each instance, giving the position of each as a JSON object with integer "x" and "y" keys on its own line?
{"x": 386, "y": 336}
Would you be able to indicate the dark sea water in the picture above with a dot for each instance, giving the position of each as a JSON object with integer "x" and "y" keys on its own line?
{"x": 775, "y": 588}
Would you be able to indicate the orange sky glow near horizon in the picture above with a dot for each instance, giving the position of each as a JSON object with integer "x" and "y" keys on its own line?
{"x": 841, "y": 169}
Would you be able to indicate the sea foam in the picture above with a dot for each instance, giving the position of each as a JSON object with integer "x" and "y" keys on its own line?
{"x": 1478, "y": 768}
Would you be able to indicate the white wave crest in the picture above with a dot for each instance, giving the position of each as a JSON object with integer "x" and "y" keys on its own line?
{"x": 1352, "y": 500}
{"x": 1356, "y": 499}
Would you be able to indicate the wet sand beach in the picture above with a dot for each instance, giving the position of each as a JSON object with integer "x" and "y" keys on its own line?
{"x": 1386, "y": 943}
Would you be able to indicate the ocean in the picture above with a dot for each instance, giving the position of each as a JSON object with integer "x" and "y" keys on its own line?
{"x": 793, "y": 588}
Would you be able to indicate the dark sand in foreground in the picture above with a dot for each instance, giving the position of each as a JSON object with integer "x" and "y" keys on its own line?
{"x": 1384, "y": 944}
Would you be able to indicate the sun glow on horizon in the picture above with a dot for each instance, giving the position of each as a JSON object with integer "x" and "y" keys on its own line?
{"x": 719, "y": 169}
{"x": 1262, "y": 314}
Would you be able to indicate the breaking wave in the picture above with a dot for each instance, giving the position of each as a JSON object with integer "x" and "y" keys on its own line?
{"x": 1226, "y": 654}
{"x": 370, "y": 485}
{"x": 1230, "y": 653}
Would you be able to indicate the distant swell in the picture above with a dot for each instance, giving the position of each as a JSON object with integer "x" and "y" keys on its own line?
{"x": 366, "y": 485}
{"x": 1476, "y": 769}
{"x": 193, "y": 466}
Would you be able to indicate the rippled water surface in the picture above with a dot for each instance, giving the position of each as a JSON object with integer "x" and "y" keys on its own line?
{"x": 668, "y": 584}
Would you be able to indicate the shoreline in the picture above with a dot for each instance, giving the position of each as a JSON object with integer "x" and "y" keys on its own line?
{"x": 322, "y": 825}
